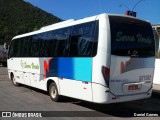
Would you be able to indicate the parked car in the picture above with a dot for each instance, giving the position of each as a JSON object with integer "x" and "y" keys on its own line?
{"x": 3, "y": 54}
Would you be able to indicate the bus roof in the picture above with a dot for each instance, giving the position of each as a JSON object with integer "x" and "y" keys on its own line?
{"x": 59, "y": 23}
{"x": 68, "y": 23}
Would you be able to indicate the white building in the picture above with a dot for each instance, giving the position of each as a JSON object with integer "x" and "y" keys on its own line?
{"x": 156, "y": 29}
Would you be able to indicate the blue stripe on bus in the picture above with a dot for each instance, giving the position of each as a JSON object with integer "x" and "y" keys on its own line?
{"x": 71, "y": 68}
{"x": 65, "y": 68}
{"x": 83, "y": 69}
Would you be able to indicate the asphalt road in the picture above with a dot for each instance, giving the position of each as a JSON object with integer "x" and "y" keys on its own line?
{"x": 24, "y": 98}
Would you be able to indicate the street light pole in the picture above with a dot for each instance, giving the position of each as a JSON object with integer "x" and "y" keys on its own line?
{"x": 131, "y": 12}
{"x": 137, "y": 4}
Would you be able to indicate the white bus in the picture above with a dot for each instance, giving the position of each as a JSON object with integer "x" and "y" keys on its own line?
{"x": 156, "y": 31}
{"x": 102, "y": 59}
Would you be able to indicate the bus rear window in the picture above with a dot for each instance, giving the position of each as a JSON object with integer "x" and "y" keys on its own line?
{"x": 131, "y": 37}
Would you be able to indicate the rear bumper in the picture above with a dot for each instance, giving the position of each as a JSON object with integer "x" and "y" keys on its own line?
{"x": 102, "y": 95}
{"x": 125, "y": 98}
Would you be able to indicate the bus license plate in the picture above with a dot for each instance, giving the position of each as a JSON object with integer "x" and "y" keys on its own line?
{"x": 134, "y": 87}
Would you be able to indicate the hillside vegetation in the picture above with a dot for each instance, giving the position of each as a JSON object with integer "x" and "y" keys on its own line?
{"x": 18, "y": 17}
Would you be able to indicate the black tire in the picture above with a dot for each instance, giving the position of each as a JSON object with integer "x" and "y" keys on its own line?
{"x": 53, "y": 92}
{"x": 13, "y": 80}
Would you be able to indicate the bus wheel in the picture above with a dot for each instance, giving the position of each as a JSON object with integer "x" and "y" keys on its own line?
{"x": 14, "y": 81}
{"x": 53, "y": 92}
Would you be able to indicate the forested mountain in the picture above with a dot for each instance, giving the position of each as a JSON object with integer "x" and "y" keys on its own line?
{"x": 18, "y": 17}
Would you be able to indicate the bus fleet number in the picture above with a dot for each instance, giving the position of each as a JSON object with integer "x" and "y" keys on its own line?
{"x": 144, "y": 78}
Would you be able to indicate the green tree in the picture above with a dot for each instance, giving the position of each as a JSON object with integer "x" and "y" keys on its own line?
{"x": 18, "y": 17}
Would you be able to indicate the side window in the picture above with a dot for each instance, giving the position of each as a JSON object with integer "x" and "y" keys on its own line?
{"x": 43, "y": 49}
{"x": 61, "y": 41}
{"x": 76, "y": 35}
{"x": 15, "y": 48}
{"x": 18, "y": 48}
{"x": 36, "y": 42}
{"x": 84, "y": 39}
{"x": 75, "y": 41}
{"x": 25, "y": 47}
{"x": 87, "y": 44}
{"x": 42, "y": 41}
{"x": 51, "y": 44}
{"x": 12, "y": 49}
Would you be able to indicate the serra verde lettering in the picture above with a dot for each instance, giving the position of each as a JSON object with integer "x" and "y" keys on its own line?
{"x": 32, "y": 65}
{"x": 124, "y": 38}
{"x": 120, "y": 37}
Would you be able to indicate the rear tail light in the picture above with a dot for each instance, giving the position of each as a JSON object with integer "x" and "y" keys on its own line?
{"x": 114, "y": 98}
{"x": 106, "y": 73}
